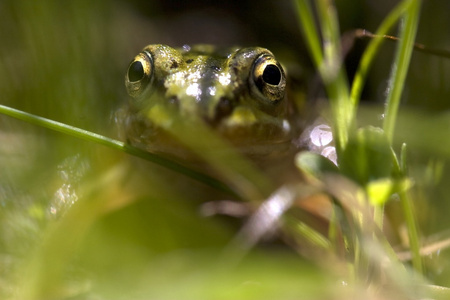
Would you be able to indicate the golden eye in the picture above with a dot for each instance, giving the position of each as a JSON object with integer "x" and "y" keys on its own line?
{"x": 269, "y": 78}
{"x": 139, "y": 74}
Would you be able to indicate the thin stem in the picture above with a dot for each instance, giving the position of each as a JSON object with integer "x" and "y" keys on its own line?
{"x": 115, "y": 144}
{"x": 417, "y": 46}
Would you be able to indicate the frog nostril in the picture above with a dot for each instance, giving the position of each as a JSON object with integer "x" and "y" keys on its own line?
{"x": 223, "y": 109}
{"x": 135, "y": 71}
{"x": 174, "y": 64}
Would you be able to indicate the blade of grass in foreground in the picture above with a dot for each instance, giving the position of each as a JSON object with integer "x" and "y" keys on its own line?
{"x": 309, "y": 30}
{"x": 328, "y": 60}
{"x": 396, "y": 84}
{"x": 400, "y": 66}
{"x": 117, "y": 145}
{"x": 372, "y": 49}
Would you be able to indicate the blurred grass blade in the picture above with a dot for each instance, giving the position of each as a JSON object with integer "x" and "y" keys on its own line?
{"x": 234, "y": 169}
{"x": 372, "y": 49}
{"x": 334, "y": 75}
{"x": 396, "y": 84}
{"x": 400, "y": 66}
{"x": 309, "y": 30}
{"x": 328, "y": 60}
{"x": 117, "y": 145}
{"x": 410, "y": 219}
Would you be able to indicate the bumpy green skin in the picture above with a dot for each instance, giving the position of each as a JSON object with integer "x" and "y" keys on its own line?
{"x": 216, "y": 87}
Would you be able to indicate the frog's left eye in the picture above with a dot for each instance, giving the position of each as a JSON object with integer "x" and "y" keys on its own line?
{"x": 139, "y": 74}
{"x": 269, "y": 78}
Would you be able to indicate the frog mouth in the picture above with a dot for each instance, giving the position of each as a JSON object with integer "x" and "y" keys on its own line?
{"x": 174, "y": 137}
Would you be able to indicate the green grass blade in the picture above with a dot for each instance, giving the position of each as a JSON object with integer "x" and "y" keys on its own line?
{"x": 309, "y": 29}
{"x": 328, "y": 59}
{"x": 372, "y": 49}
{"x": 400, "y": 67}
{"x": 115, "y": 144}
{"x": 333, "y": 74}
{"x": 410, "y": 219}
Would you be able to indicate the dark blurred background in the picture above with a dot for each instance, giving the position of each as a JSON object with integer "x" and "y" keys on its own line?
{"x": 80, "y": 49}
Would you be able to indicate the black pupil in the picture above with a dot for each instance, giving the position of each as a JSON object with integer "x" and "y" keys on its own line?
{"x": 272, "y": 75}
{"x": 135, "y": 71}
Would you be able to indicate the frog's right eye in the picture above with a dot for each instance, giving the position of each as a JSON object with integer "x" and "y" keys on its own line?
{"x": 139, "y": 74}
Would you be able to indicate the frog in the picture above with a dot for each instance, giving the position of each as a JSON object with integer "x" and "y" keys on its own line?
{"x": 237, "y": 92}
